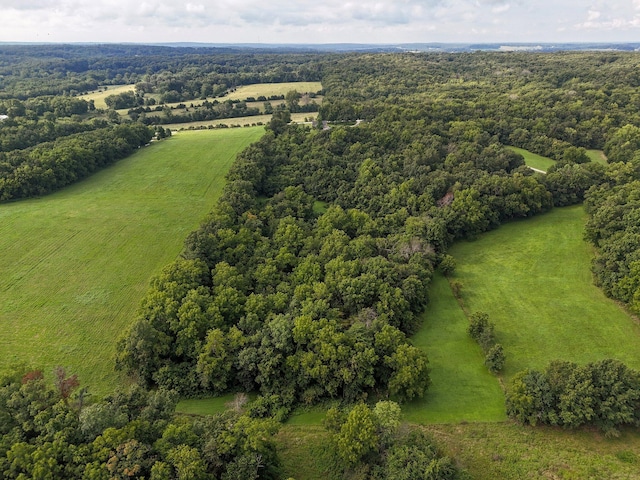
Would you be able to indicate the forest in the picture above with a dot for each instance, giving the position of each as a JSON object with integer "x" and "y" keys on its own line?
{"x": 304, "y": 284}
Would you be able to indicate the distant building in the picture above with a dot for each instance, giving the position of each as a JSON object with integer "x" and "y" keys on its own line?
{"x": 3, "y": 117}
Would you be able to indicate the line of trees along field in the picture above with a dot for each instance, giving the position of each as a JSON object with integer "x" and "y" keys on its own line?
{"x": 307, "y": 279}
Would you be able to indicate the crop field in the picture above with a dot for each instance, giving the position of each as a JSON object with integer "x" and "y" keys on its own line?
{"x": 533, "y": 278}
{"x": 533, "y": 159}
{"x": 98, "y": 97}
{"x": 76, "y": 263}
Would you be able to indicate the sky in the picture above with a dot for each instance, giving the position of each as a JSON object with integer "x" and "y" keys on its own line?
{"x": 320, "y": 21}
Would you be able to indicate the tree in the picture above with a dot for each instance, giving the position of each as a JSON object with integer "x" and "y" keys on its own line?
{"x": 357, "y": 436}
{"x": 279, "y": 121}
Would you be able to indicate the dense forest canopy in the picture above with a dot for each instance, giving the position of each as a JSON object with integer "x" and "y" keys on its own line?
{"x": 309, "y": 276}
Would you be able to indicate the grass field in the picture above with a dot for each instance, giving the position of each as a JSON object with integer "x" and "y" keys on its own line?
{"x": 487, "y": 451}
{"x": 75, "y": 264}
{"x": 533, "y": 278}
{"x": 241, "y": 93}
{"x": 509, "y": 451}
{"x": 270, "y": 89}
{"x": 533, "y": 160}
{"x": 264, "y": 119}
{"x": 98, "y": 97}
{"x": 462, "y": 389}
{"x": 597, "y": 156}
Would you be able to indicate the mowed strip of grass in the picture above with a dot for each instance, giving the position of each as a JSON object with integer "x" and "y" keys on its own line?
{"x": 533, "y": 278}
{"x": 533, "y": 159}
{"x": 76, "y": 264}
{"x": 462, "y": 388}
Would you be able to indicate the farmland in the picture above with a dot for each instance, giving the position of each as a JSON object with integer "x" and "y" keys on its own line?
{"x": 76, "y": 263}
{"x": 336, "y": 275}
{"x": 241, "y": 121}
{"x": 99, "y": 96}
{"x": 269, "y": 89}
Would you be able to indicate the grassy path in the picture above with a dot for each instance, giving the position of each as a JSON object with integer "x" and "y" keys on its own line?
{"x": 75, "y": 264}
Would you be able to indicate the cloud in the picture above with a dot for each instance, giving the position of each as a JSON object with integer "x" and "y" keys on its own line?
{"x": 375, "y": 21}
{"x": 618, "y": 16}
{"x": 592, "y": 15}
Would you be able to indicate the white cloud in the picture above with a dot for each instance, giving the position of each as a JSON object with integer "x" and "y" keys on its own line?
{"x": 501, "y": 8}
{"x": 366, "y": 21}
{"x": 592, "y": 15}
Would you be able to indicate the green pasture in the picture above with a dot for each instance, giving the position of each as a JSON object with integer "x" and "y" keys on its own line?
{"x": 597, "y": 156}
{"x": 462, "y": 388}
{"x": 489, "y": 451}
{"x": 533, "y": 278}
{"x": 271, "y": 89}
{"x": 98, "y": 97}
{"x": 76, "y": 263}
{"x": 242, "y": 121}
{"x": 486, "y": 451}
{"x": 534, "y": 160}
{"x": 242, "y": 93}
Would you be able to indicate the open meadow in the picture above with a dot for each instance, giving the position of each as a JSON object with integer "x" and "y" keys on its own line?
{"x": 241, "y": 121}
{"x": 597, "y": 156}
{"x": 99, "y": 96}
{"x": 534, "y": 160}
{"x": 487, "y": 451}
{"x": 533, "y": 278}
{"x": 76, "y": 263}
{"x": 270, "y": 89}
{"x": 462, "y": 389}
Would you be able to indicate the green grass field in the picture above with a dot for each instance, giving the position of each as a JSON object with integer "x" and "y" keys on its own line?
{"x": 533, "y": 160}
{"x": 98, "y": 97}
{"x": 487, "y": 451}
{"x": 76, "y": 263}
{"x": 270, "y": 89}
{"x": 242, "y": 121}
{"x": 597, "y": 156}
{"x": 533, "y": 278}
{"x": 462, "y": 389}
{"x": 241, "y": 93}
{"x": 508, "y": 451}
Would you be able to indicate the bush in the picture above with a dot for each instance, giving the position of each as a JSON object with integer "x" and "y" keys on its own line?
{"x": 447, "y": 265}
{"x": 495, "y": 358}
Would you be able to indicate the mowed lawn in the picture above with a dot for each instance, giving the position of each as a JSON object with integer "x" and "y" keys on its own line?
{"x": 533, "y": 278}
{"x": 75, "y": 264}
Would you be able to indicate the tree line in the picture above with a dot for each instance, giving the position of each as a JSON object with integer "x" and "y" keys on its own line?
{"x": 52, "y": 165}
{"x": 53, "y": 429}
